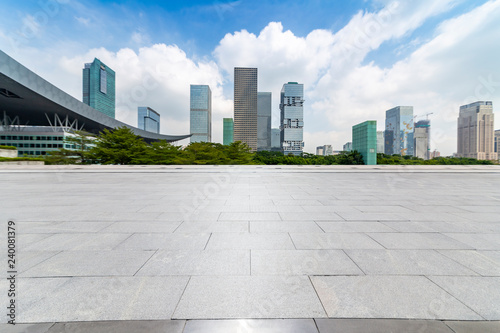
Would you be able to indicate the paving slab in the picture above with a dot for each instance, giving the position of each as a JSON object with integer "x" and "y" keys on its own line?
{"x": 479, "y": 241}
{"x": 484, "y": 298}
{"x": 388, "y": 297}
{"x": 303, "y": 262}
{"x": 281, "y": 226}
{"x": 261, "y": 241}
{"x": 486, "y": 263}
{"x": 98, "y": 298}
{"x": 75, "y": 242}
{"x": 208, "y": 297}
{"x": 406, "y": 262}
{"x": 251, "y": 326}
{"x": 125, "y": 326}
{"x": 474, "y": 327}
{"x": 142, "y": 227}
{"x": 207, "y": 262}
{"x": 209, "y": 227}
{"x": 314, "y": 241}
{"x": 431, "y": 241}
{"x": 354, "y": 226}
{"x": 25, "y": 328}
{"x": 176, "y": 241}
{"x": 381, "y": 326}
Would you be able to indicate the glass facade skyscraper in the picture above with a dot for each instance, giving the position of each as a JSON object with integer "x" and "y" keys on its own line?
{"x": 380, "y": 142}
{"x": 275, "y": 139}
{"x": 399, "y": 131}
{"x": 245, "y": 106}
{"x": 422, "y": 139}
{"x": 292, "y": 118}
{"x": 364, "y": 140}
{"x": 228, "y": 131}
{"x": 201, "y": 113}
{"x": 99, "y": 87}
{"x": 148, "y": 119}
{"x": 264, "y": 121}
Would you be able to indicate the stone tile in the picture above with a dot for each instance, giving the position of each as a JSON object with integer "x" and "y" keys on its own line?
{"x": 436, "y": 217}
{"x": 126, "y": 326}
{"x": 388, "y": 297}
{"x": 290, "y": 216}
{"x": 98, "y": 298}
{"x": 418, "y": 241}
{"x": 353, "y": 226}
{"x": 474, "y": 326}
{"x": 406, "y": 262}
{"x": 384, "y": 209}
{"x": 194, "y": 216}
{"x": 265, "y": 241}
{"x": 481, "y": 294}
{"x": 176, "y": 241}
{"x": 28, "y": 259}
{"x": 281, "y": 226}
{"x": 90, "y": 263}
{"x": 315, "y": 241}
{"x": 75, "y": 242}
{"x": 249, "y": 216}
{"x": 251, "y": 326}
{"x": 360, "y": 216}
{"x": 480, "y": 217}
{"x": 62, "y": 227}
{"x": 454, "y": 227}
{"x": 381, "y": 326}
{"x": 478, "y": 241}
{"x": 25, "y": 328}
{"x": 209, "y": 227}
{"x": 255, "y": 297}
{"x": 207, "y": 262}
{"x": 142, "y": 227}
{"x": 486, "y": 263}
{"x": 409, "y": 226}
{"x": 297, "y": 203}
{"x": 302, "y": 262}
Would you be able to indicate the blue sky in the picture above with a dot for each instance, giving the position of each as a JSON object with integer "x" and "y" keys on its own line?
{"x": 356, "y": 58}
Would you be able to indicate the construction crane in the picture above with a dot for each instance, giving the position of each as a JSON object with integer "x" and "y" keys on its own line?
{"x": 427, "y": 115}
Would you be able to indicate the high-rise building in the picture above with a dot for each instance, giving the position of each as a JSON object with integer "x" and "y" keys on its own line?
{"x": 200, "y": 113}
{"x": 380, "y": 142}
{"x": 422, "y": 139}
{"x": 228, "y": 131}
{"x": 434, "y": 154}
{"x": 475, "y": 137}
{"x": 264, "y": 121}
{"x": 292, "y": 118}
{"x": 399, "y": 131}
{"x": 327, "y": 150}
{"x": 245, "y": 106}
{"x": 347, "y": 146}
{"x": 275, "y": 139}
{"x": 364, "y": 140}
{"x": 99, "y": 87}
{"x": 497, "y": 142}
{"x": 320, "y": 150}
{"x": 148, "y": 119}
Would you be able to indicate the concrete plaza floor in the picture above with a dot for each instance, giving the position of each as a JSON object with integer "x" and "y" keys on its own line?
{"x": 108, "y": 243}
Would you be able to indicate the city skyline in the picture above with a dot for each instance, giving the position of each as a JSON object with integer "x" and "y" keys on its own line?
{"x": 354, "y": 59}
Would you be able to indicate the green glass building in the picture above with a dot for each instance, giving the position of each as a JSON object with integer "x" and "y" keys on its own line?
{"x": 228, "y": 131}
{"x": 99, "y": 87}
{"x": 364, "y": 140}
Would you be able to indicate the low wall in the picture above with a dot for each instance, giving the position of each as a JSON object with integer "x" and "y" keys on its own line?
{"x": 8, "y": 153}
{"x": 22, "y": 163}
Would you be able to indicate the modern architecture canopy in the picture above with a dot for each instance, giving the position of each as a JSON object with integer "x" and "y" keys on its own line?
{"x": 34, "y": 101}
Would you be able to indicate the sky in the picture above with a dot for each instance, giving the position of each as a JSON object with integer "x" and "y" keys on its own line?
{"x": 356, "y": 58}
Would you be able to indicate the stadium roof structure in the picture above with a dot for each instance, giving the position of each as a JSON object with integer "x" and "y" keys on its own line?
{"x": 31, "y": 100}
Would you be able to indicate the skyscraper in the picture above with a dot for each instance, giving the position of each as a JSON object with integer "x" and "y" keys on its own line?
{"x": 347, "y": 146}
{"x": 380, "y": 142}
{"x": 475, "y": 137}
{"x": 320, "y": 150}
{"x": 99, "y": 87}
{"x": 292, "y": 118}
{"x": 399, "y": 130}
{"x": 497, "y": 142}
{"x": 228, "y": 129}
{"x": 364, "y": 140}
{"x": 422, "y": 139}
{"x": 245, "y": 106}
{"x": 275, "y": 139}
{"x": 264, "y": 121}
{"x": 148, "y": 119}
{"x": 201, "y": 113}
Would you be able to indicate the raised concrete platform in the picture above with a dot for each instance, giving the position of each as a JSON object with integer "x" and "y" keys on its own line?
{"x": 333, "y": 248}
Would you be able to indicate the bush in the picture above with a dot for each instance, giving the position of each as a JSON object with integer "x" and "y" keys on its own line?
{"x": 8, "y": 147}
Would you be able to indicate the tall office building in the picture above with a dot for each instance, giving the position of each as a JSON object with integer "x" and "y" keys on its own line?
{"x": 497, "y": 142}
{"x": 228, "y": 129}
{"x": 364, "y": 140}
{"x": 292, "y": 118}
{"x": 476, "y": 132}
{"x": 399, "y": 131}
{"x": 380, "y": 142}
{"x": 245, "y": 106}
{"x": 200, "y": 113}
{"x": 148, "y": 119}
{"x": 99, "y": 87}
{"x": 347, "y": 146}
{"x": 275, "y": 139}
{"x": 422, "y": 139}
{"x": 264, "y": 121}
{"x": 327, "y": 150}
{"x": 320, "y": 150}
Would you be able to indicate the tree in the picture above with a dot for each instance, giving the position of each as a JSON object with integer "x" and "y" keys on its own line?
{"x": 119, "y": 146}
